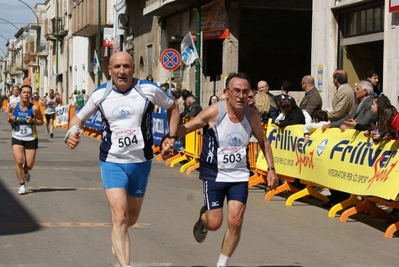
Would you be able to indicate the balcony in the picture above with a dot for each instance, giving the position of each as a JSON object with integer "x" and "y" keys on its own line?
{"x": 85, "y": 14}
{"x": 51, "y": 32}
{"x": 43, "y": 51}
{"x": 13, "y": 69}
{"x": 166, "y": 7}
{"x": 29, "y": 59}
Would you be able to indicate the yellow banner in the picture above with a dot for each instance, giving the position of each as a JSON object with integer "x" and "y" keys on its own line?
{"x": 343, "y": 160}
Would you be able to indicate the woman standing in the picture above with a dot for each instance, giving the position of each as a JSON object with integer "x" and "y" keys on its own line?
{"x": 23, "y": 117}
{"x": 266, "y": 107}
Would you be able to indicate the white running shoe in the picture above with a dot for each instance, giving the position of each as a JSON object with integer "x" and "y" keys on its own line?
{"x": 47, "y": 131}
{"x": 22, "y": 190}
{"x": 27, "y": 177}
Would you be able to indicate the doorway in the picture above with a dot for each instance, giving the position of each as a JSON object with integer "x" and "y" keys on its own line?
{"x": 358, "y": 59}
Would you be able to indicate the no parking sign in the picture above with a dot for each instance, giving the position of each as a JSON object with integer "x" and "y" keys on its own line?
{"x": 170, "y": 59}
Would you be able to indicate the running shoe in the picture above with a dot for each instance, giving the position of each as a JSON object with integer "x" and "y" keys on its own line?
{"x": 199, "y": 229}
{"x": 47, "y": 131}
{"x": 51, "y": 135}
{"x": 27, "y": 177}
{"x": 22, "y": 190}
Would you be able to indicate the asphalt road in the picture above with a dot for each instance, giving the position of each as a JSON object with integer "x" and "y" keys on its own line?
{"x": 64, "y": 220}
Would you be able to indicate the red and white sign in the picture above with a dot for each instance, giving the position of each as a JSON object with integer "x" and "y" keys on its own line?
{"x": 170, "y": 59}
{"x": 108, "y": 37}
{"x": 393, "y": 5}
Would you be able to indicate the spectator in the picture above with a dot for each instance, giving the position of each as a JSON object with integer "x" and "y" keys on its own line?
{"x": 213, "y": 99}
{"x": 343, "y": 100}
{"x": 342, "y": 105}
{"x": 73, "y": 97}
{"x": 185, "y": 94}
{"x": 194, "y": 107}
{"x": 285, "y": 88}
{"x": 312, "y": 100}
{"x": 251, "y": 98}
{"x": 362, "y": 110}
{"x": 266, "y": 107}
{"x": 377, "y": 107}
{"x": 292, "y": 113}
{"x": 387, "y": 129}
{"x": 372, "y": 77}
{"x": 263, "y": 87}
{"x": 320, "y": 118}
{"x": 150, "y": 78}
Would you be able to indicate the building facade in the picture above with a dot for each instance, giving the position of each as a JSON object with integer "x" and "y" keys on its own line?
{"x": 270, "y": 40}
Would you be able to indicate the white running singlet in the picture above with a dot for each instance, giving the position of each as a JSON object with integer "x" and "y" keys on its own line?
{"x": 126, "y": 120}
{"x": 224, "y": 149}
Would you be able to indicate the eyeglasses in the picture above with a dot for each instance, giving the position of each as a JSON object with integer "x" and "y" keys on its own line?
{"x": 250, "y": 96}
{"x": 237, "y": 92}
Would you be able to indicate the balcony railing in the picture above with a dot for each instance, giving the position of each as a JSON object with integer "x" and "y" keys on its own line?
{"x": 51, "y": 31}
{"x": 43, "y": 47}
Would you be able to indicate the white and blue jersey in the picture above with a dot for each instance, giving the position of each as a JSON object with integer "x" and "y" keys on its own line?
{"x": 22, "y": 130}
{"x": 126, "y": 120}
{"x": 224, "y": 149}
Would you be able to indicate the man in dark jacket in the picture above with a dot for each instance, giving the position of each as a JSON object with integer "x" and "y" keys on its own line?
{"x": 312, "y": 100}
{"x": 194, "y": 107}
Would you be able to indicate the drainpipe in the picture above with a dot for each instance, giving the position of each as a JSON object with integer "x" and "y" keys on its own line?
{"x": 198, "y": 46}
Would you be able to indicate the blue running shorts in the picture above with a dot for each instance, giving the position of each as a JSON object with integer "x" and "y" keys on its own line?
{"x": 133, "y": 177}
{"x": 215, "y": 192}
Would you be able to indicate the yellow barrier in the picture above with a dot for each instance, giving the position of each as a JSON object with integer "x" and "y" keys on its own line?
{"x": 191, "y": 153}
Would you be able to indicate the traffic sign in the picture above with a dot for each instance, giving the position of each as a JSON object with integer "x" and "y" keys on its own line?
{"x": 170, "y": 59}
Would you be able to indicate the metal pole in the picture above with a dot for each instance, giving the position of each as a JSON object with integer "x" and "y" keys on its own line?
{"x": 5, "y": 66}
{"x": 99, "y": 44}
{"x": 22, "y": 46}
{"x": 4, "y": 72}
{"x": 56, "y": 49}
{"x": 198, "y": 46}
{"x": 37, "y": 41}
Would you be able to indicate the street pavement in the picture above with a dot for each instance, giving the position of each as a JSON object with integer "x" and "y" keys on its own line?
{"x": 64, "y": 220}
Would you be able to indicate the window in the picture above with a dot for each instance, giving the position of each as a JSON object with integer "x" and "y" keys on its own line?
{"x": 362, "y": 22}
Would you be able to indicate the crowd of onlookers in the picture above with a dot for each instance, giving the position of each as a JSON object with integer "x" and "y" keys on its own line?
{"x": 364, "y": 108}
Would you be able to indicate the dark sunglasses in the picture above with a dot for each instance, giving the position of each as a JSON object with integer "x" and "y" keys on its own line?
{"x": 250, "y": 96}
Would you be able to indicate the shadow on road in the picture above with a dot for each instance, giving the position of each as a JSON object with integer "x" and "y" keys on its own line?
{"x": 14, "y": 219}
{"x": 44, "y": 190}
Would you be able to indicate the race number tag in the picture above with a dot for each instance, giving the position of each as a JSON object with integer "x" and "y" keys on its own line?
{"x": 129, "y": 139}
{"x": 23, "y": 130}
{"x": 232, "y": 157}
